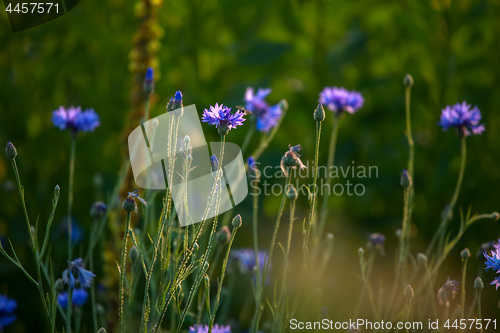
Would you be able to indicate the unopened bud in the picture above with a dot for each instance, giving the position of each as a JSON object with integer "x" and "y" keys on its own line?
{"x": 98, "y": 210}
{"x": 405, "y": 179}
{"x": 408, "y": 292}
{"x": 361, "y": 251}
{"x": 57, "y": 191}
{"x": 10, "y": 151}
{"x": 291, "y": 193}
{"x": 408, "y": 80}
{"x": 149, "y": 85}
{"x": 236, "y": 221}
{"x": 319, "y": 113}
{"x": 495, "y": 215}
{"x": 59, "y": 285}
{"x": 101, "y": 330}
{"x": 465, "y": 254}
{"x": 129, "y": 205}
{"x": 422, "y": 258}
{"x": 478, "y": 284}
{"x": 134, "y": 253}
{"x": 223, "y": 235}
{"x": 187, "y": 139}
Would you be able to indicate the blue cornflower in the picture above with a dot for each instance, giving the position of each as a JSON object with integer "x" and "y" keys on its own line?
{"x": 447, "y": 292}
{"x": 493, "y": 262}
{"x": 252, "y": 164}
{"x": 215, "y": 163}
{"x": 341, "y": 99}
{"x": 463, "y": 118}
{"x": 77, "y": 232}
{"x": 76, "y": 273}
{"x": 245, "y": 258}
{"x": 215, "y": 329}
{"x": 79, "y": 297}
{"x": 221, "y": 117}
{"x": 74, "y": 119}
{"x": 267, "y": 116}
{"x": 377, "y": 240}
{"x": 149, "y": 84}
{"x": 7, "y": 308}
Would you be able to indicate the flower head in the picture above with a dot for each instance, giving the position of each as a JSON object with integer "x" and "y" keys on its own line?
{"x": 7, "y": 308}
{"x": 493, "y": 262}
{"x": 376, "y": 241}
{"x": 74, "y": 119}
{"x": 215, "y": 329}
{"x": 221, "y": 117}
{"x": 98, "y": 210}
{"x": 129, "y": 204}
{"x": 291, "y": 159}
{"x": 245, "y": 258}
{"x": 341, "y": 99}
{"x": 77, "y": 274}
{"x": 448, "y": 291}
{"x": 79, "y": 298}
{"x": 267, "y": 115}
{"x": 463, "y": 118}
{"x": 149, "y": 84}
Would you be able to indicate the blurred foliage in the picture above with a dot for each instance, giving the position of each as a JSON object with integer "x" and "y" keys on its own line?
{"x": 211, "y": 51}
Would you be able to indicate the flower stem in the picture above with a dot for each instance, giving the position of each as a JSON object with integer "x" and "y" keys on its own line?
{"x": 464, "y": 270}
{"x": 70, "y": 194}
{"x": 260, "y": 293}
{"x": 122, "y": 271}
{"x": 331, "y": 159}
{"x": 255, "y": 223}
{"x": 479, "y": 307}
{"x": 314, "y": 191}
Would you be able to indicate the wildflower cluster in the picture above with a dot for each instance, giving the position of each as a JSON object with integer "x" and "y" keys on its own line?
{"x": 222, "y": 118}
{"x": 267, "y": 115}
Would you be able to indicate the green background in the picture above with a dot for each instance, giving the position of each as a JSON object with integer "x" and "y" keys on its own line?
{"x": 211, "y": 51}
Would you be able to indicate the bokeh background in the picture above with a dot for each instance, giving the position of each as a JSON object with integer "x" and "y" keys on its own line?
{"x": 212, "y": 50}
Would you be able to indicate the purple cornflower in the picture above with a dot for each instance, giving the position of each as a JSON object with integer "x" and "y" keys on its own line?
{"x": 463, "y": 118}
{"x": 376, "y": 240}
{"x": 76, "y": 273}
{"x": 291, "y": 159}
{"x": 79, "y": 297}
{"x": 341, "y": 99}
{"x": 493, "y": 262}
{"x": 7, "y": 308}
{"x": 215, "y": 329}
{"x": 246, "y": 262}
{"x": 221, "y": 117}
{"x": 448, "y": 292}
{"x": 129, "y": 203}
{"x": 74, "y": 119}
{"x": 267, "y": 115}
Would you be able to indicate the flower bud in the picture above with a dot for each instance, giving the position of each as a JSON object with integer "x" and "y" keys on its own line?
{"x": 319, "y": 113}
{"x": 408, "y": 293}
{"x": 408, "y": 80}
{"x": 187, "y": 139}
{"x": 215, "y": 163}
{"x": 236, "y": 221}
{"x": 291, "y": 193}
{"x": 421, "y": 258}
{"x": 170, "y": 104}
{"x": 59, "y": 285}
{"x": 495, "y": 215}
{"x": 57, "y": 191}
{"x": 405, "y": 179}
{"x": 129, "y": 205}
{"x": 223, "y": 235}
{"x": 207, "y": 280}
{"x": 177, "y": 100}
{"x": 223, "y": 129}
{"x": 361, "y": 251}
{"x": 10, "y": 151}
{"x": 98, "y": 210}
{"x": 101, "y": 330}
{"x": 465, "y": 254}
{"x": 134, "y": 253}
{"x": 149, "y": 85}
{"x": 478, "y": 284}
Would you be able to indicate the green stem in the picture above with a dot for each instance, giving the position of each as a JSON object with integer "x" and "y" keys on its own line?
{"x": 260, "y": 292}
{"x": 255, "y": 224}
{"x": 479, "y": 307}
{"x": 464, "y": 270}
{"x": 70, "y": 194}
{"x": 122, "y": 271}
{"x": 331, "y": 159}
{"x": 445, "y": 217}
{"x": 314, "y": 190}
{"x": 69, "y": 309}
